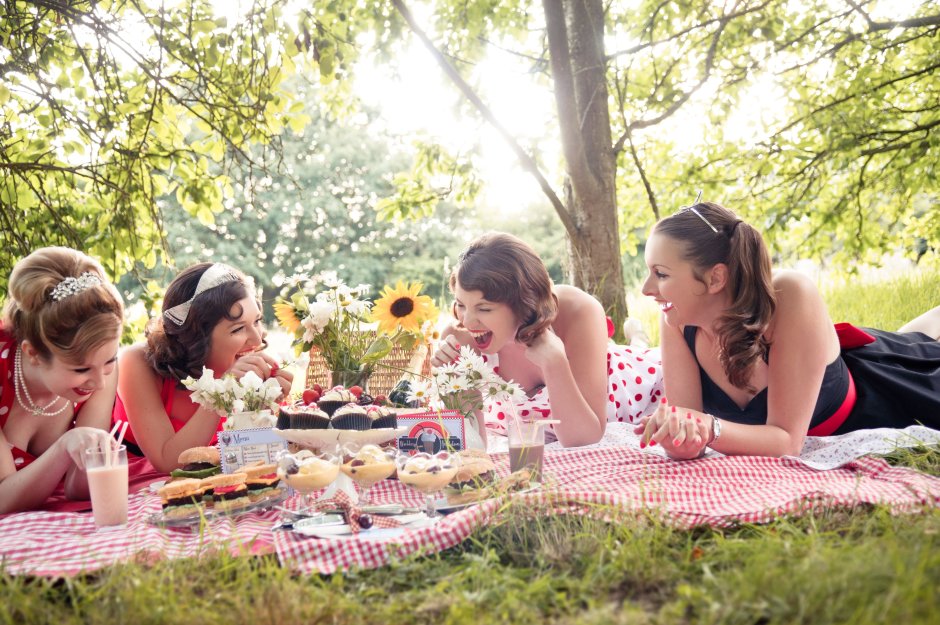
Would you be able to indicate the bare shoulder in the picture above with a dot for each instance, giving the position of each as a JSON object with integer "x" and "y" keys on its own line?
{"x": 573, "y": 300}
{"x": 790, "y": 283}
{"x": 800, "y": 307}
{"x": 132, "y": 361}
{"x": 580, "y": 315}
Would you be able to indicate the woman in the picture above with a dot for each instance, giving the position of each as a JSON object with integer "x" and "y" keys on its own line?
{"x": 550, "y": 339}
{"x": 210, "y": 319}
{"x": 751, "y": 360}
{"x": 58, "y": 376}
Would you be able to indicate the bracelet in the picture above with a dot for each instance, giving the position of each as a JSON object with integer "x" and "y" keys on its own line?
{"x": 716, "y": 430}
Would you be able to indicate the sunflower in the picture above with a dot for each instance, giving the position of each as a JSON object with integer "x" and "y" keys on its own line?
{"x": 287, "y": 315}
{"x": 403, "y": 307}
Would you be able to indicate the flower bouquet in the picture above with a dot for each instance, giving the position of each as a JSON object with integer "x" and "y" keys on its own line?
{"x": 247, "y": 402}
{"x": 338, "y": 322}
{"x": 464, "y": 385}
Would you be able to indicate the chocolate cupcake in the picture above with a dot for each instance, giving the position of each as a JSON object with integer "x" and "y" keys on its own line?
{"x": 308, "y": 417}
{"x": 351, "y": 417}
{"x": 283, "y": 418}
{"x": 382, "y": 417}
{"x": 334, "y": 398}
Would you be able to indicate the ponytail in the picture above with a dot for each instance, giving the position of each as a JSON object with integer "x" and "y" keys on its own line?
{"x": 741, "y": 329}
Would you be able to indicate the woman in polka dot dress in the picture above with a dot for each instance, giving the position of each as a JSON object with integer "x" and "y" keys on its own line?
{"x": 58, "y": 377}
{"x": 552, "y": 340}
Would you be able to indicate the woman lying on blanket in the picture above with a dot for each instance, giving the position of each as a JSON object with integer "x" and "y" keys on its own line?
{"x": 210, "y": 319}
{"x": 553, "y": 340}
{"x": 58, "y": 374}
{"x": 751, "y": 360}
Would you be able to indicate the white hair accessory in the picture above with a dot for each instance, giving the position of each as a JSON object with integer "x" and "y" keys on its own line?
{"x": 214, "y": 276}
{"x": 71, "y": 286}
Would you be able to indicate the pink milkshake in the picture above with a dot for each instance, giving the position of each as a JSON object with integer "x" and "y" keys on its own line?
{"x": 107, "y": 483}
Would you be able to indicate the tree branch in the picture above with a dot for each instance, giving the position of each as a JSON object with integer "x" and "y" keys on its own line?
{"x": 527, "y": 162}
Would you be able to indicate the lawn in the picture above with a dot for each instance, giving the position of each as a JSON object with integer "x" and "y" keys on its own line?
{"x": 829, "y": 566}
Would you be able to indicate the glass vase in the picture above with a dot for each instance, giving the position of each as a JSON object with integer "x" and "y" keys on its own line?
{"x": 351, "y": 377}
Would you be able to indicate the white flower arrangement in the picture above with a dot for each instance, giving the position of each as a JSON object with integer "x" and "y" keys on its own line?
{"x": 228, "y": 395}
{"x": 464, "y": 384}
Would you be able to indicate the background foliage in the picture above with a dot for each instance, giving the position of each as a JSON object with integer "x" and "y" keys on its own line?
{"x": 153, "y": 135}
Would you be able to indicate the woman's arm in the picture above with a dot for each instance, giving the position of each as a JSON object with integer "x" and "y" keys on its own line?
{"x": 29, "y": 487}
{"x": 574, "y": 367}
{"x": 139, "y": 387}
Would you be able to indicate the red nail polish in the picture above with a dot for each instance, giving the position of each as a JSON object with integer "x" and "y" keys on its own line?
{"x": 664, "y": 400}
{"x": 676, "y": 442}
{"x": 697, "y": 420}
{"x": 688, "y": 415}
{"x": 642, "y": 445}
{"x": 652, "y": 442}
{"x": 673, "y": 408}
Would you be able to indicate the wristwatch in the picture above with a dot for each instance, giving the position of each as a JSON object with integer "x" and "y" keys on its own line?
{"x": 716, "y": 430}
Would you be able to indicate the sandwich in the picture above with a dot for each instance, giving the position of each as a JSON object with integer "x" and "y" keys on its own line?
{"x": 261, "y": 479}
{"x": 181, "y": 498}
{"x": 198, "y": 463}
{"x": 228, "y": 490}
{"x": 474, "y": 480}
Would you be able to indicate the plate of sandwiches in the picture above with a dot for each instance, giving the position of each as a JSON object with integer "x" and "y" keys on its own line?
{"x": 476, "y": 481}
{"x": 187, "y": 501}
{"x": 318, "y": 438}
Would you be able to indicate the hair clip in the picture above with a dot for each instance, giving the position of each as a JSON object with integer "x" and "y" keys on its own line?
{"x": 692, "y": 208}
{"x": 72, "y": 286}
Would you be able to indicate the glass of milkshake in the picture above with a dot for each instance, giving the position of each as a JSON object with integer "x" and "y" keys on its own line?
{"x": 107, "y": 483}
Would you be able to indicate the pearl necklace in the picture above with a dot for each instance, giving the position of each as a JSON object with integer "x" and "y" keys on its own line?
{"x": 19, "y": 382}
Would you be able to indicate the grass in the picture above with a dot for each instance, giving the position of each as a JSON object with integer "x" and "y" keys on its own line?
{"x": 858, "y": 565}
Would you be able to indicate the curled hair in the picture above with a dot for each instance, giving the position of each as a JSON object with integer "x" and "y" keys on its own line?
{"x": 740, "y": 330}
{"x": 181, "y": 351}
{"x": 72, "y": 326}
{"x": 506, "y": 270}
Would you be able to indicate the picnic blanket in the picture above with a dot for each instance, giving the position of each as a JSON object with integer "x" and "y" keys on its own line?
{"x": 719, "y": 491}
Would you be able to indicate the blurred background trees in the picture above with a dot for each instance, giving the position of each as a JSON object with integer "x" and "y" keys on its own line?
{"x": 155, "y": 135}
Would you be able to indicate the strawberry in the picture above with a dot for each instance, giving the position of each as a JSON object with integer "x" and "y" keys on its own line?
{"x": 379, "y": 400}
{"x": 356, "y": 390}
{"x": 318, "y": 388}
{"x": 311, "y": 395}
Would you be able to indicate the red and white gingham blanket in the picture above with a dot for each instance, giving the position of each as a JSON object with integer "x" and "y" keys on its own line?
{"x": 717, "y": 491}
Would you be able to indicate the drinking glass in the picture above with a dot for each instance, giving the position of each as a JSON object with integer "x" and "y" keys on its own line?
{"x": 428, "y": 474}
{"x": 526, "y": 447}
{"x": 107, "y": 484}
{"x": 307, "y": 472}
{"x": 367, "y": 465}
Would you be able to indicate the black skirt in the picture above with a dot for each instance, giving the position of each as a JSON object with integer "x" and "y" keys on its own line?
{"x": 897, "y": 381}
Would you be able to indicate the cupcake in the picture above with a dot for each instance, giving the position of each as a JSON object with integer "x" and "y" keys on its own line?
{"x": 307, "y": 417}
{"x": 382, "y": 417}
{"x": 351, "y": 417}
{"x": 283, "y": 418}
{"x": 331, "y": 400}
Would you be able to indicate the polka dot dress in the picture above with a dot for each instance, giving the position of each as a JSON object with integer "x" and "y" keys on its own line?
{"x": 634, "y": 386}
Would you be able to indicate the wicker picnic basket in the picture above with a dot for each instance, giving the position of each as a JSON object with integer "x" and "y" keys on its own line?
{"x": 388, "y": 371}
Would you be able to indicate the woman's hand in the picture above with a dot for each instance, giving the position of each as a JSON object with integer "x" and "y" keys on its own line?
{"x": 545, "y": 348}
{"x": 285, "y": 378}
{"x": 683, "y": 433}
{"x": 75, "y": 441}
{"x": 446, "y": 352}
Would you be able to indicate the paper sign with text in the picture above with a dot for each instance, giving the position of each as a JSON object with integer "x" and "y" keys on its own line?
{"x": 432, "y": 432}
{"x": 240, "y": 447}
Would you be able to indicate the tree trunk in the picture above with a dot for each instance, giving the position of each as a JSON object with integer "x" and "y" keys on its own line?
{"x": 576, "y": 45}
